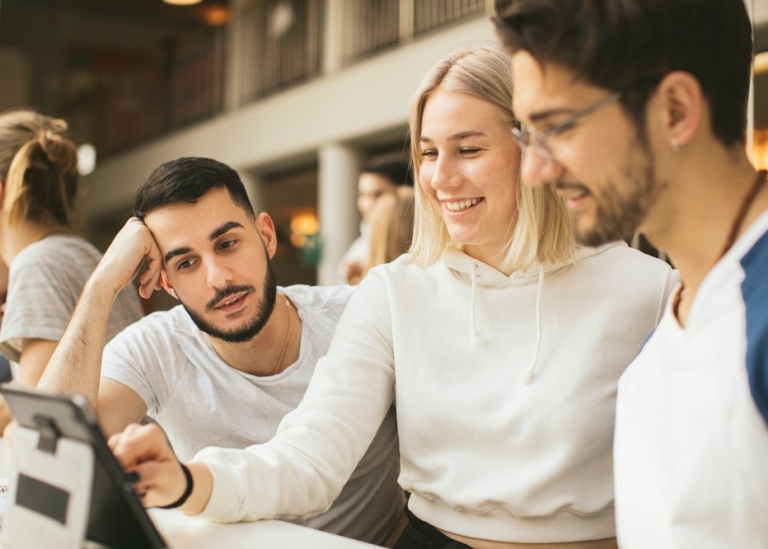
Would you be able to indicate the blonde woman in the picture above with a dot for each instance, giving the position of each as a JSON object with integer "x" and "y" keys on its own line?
{"x": 49, "y": 263}
{"x": 499, "y": 341}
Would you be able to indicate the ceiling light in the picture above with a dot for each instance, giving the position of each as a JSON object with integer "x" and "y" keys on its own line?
{"x": 182, "y": 2}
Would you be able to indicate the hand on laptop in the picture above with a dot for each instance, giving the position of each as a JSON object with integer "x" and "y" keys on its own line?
{"x": 132, "y": 246}
{"x": 145, "y": 451}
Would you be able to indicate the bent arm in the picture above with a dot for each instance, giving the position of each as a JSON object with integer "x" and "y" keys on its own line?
{"x": 76, "y": 364}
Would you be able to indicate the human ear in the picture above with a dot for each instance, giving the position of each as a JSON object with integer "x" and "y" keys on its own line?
{"x": 682, "y": 108}
{"x": 266, "y": 228}
{"x": 165, "y": 282}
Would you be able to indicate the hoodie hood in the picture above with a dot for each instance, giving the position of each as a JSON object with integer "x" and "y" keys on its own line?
{"x": 479, "y": 274}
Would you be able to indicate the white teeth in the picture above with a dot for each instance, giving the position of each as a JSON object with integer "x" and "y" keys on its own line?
{"x": 461, "y": 205}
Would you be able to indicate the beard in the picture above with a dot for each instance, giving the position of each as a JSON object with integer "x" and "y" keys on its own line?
{"x": 620, "y": 211}
{"x": 253, "y": 326}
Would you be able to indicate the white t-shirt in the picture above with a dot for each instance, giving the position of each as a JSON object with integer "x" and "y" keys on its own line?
{"x": 692, "y": 416}
{"x": 201, "y": 401}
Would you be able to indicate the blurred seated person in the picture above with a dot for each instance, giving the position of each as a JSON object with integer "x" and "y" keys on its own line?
{"x": 378, "y": 177}
{"x": 391, "y": 227}
{"x": 48, "y": 261}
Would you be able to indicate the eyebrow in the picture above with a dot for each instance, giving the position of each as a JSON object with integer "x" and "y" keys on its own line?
{"x": 543, "y": 115}
{"x": 226, "y": 227}
{"x": 457, "y": 136}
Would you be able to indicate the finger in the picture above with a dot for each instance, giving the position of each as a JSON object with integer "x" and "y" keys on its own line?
{"x": 139, "y": 443}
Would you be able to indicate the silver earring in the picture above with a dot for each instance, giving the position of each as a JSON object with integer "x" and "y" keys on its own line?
{"x": 675, "y": 144}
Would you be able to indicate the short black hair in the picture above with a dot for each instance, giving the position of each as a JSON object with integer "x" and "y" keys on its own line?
{"x": 186, "y": 179}
{"x": 620, "y": 44}
{"x": 394, "y": 168}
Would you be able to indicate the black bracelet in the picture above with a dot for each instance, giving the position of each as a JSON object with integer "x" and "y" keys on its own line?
{"x": 187, "y": 492}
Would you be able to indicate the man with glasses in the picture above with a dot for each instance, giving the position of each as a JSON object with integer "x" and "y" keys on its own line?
{"x": 635, "y": 111}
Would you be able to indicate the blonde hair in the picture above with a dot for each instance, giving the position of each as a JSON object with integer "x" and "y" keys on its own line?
{"x": 541, "y": 230}
{"x": 38, "y": 164}
{"x": 391, "y": 225}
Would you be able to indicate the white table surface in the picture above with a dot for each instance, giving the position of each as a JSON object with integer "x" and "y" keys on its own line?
{"x": 183, "y": 532}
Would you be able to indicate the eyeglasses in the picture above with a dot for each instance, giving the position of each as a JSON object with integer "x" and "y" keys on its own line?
{"x": 528, "y": 138}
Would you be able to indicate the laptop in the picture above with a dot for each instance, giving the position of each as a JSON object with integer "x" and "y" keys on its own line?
{"x": 116, "y": 516}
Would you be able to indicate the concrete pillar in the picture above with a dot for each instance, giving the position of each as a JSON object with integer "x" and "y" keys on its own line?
{"x": 253, "y": 183}
{"x": 333, "y": 36}
{"x": 339, "y": 166}
{"x": 235, "y": 56}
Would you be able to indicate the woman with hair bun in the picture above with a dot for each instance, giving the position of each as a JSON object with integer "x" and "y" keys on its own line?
{"x": 49, "y": 263}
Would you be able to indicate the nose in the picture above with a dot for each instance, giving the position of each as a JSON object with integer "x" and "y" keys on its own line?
{"x": 219, "y": 274}
{"x": 537, "y": 169}
{"x": 442, "y": 173}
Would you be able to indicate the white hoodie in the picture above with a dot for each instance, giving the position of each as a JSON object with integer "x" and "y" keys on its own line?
{"x": 505, "y": 392}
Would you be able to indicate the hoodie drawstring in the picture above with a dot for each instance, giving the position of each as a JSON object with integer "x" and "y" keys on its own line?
{"x": 473, "y": 333}
{"x": 533, "y": 368}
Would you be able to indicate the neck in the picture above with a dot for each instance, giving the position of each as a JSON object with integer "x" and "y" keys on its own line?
{"x": 17, "y": 237}
{"x": 695, "y": 214}
{"x": 260, "y": 355}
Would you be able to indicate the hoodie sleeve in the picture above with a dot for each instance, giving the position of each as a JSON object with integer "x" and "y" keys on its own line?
{"x": 299, "y": 473}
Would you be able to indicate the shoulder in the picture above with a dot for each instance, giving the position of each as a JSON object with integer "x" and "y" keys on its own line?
{"x": 319, "y": 297}
{"x": 58, "y": 252}
{"x": 617, "y": 260}
{"x": 172, "y": 326}
{"x": 754, "y": 290}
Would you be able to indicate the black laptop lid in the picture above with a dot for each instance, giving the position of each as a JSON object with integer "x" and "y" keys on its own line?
{"x": 116, "y": 518}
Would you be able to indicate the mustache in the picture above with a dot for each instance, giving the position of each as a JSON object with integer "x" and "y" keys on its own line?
{"x": 225, "y": 293}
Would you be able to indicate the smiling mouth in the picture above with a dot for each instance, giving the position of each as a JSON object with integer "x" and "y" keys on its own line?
{"x": 571, "y": 192}
{"x": 461, "y": 205}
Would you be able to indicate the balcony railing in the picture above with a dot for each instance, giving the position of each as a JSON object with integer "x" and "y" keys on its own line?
{"x": 279, "y": 44}
{"x": 275, "y": 44}
{"x": 373, "y": 25}
{"x": 146, "y": 96}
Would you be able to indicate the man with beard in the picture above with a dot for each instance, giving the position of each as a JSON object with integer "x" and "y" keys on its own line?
{"x": 635, "y": 111}
{"x": 226, "y": 365}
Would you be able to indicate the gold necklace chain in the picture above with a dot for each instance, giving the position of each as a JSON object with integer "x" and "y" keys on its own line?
{"x": 738, "y": 221}
{"x": 287, "y": 337}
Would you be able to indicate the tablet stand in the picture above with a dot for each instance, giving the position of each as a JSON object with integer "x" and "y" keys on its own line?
{"x": 50, "y": 481}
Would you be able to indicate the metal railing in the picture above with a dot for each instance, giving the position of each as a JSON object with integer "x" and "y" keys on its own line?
{"x": 373, "y": 25}
{"x": 279, "y": 43}
{"x": 138, "y": 102}
{"x": 276, "y": 44}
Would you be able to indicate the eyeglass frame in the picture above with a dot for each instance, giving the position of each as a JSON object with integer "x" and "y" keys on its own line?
{"x": 527, "y": 138}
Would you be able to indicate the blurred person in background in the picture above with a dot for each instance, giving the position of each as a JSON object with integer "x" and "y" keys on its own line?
{"x": 378, "y": 177}
{"x": 391, "y": 227}
{"x": 48, "y": 261}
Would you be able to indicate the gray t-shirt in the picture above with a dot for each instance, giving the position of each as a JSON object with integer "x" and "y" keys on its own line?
{"x": 201, "y": 401}
{"x": 44, "y": 283}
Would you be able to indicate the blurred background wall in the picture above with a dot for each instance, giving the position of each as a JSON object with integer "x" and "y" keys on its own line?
{"x": 294, "y": 94}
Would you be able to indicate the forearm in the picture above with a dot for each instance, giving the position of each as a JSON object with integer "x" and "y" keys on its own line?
{"x": 76, "y": 364}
